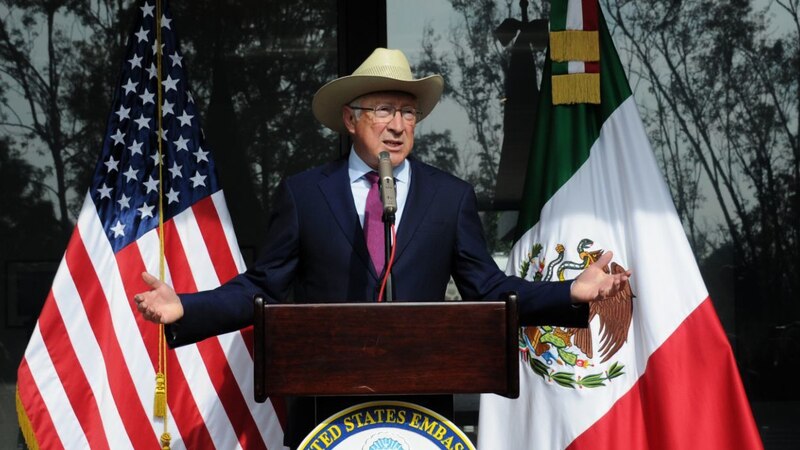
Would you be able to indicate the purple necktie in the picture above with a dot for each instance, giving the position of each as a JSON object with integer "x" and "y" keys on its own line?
{"x": 373, "y": 223}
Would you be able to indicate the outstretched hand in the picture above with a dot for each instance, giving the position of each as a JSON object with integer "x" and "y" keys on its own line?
{"x": 595, "y": 284}
{"x": 160, "y": 304}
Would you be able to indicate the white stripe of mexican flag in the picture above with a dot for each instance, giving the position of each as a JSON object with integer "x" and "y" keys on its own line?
{"x": 595, "y": 184}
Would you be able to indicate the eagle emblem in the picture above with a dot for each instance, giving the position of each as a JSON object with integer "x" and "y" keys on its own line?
{"x": 558, "y": 353}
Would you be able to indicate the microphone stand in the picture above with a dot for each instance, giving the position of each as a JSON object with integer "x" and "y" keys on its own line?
{"x": 388, "y": 221}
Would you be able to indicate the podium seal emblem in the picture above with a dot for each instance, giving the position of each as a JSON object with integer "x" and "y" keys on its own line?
{"x": 386, "y": 425}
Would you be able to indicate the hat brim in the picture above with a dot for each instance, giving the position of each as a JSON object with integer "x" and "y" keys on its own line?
{"x": 329, "y": 99}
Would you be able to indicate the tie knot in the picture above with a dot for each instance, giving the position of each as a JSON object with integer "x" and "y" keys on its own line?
{"x": 372, "y": 177}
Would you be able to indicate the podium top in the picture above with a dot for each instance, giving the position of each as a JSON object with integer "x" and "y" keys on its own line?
{"x": 386, "y": 348}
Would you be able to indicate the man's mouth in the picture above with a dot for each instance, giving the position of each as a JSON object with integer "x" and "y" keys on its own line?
{"x": 392, "y": 143}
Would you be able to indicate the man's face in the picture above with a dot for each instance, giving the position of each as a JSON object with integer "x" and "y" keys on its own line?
{"x": 371, "y": 136}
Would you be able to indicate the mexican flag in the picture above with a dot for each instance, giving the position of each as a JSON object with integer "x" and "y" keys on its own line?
{"x": 655, "y": 369}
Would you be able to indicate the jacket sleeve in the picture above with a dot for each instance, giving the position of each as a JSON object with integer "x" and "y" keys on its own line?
{"x": 230, "y": 307}
{"x": 478, "y": 277}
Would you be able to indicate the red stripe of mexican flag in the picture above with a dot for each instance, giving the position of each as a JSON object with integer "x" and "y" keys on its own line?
{"x": 593, "y": 184}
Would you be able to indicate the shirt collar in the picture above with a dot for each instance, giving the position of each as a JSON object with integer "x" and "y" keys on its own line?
{"x": 357, "y": 168}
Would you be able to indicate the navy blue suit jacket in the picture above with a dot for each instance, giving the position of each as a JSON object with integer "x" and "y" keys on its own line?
{"x": 316, "y": 250}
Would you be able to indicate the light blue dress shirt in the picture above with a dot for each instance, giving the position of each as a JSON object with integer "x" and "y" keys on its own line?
{"x": 359, "y": 185}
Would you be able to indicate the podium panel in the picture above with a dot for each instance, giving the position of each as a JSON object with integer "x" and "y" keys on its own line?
{"x": 386, "y": 348}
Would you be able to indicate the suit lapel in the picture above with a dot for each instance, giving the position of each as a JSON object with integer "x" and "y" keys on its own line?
{"x": 335, "y": 187}
{"x": 420, "y": 195}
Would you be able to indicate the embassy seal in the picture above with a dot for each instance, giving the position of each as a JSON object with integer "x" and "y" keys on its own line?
{"x": 386, "y": 425}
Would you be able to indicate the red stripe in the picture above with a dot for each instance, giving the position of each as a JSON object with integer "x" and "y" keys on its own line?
{"x": 211, "y": 351}
{"x": 36, "y": 410}
{"x": 133, "y": 415}
{"x": 214, "y": 237}
{"x": 589, "y": 15}
{"x": 247, "y": 335}
{"x": 690, "y": 396}
{"x": 591, "y": 67}
{"x": 186, "y": 413}
{"x": 76, "y": 385}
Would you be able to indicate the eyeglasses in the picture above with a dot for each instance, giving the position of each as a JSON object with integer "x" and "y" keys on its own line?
{"x": 385, "y": 113}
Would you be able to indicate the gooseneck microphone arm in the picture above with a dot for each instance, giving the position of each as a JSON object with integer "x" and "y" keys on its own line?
{"x": 389, "y": 200}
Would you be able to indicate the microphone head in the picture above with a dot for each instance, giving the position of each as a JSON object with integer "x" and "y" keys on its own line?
{"x": 386, "y": 175}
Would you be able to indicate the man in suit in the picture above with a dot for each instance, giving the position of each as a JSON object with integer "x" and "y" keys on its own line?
{"x": 316, "y": 248}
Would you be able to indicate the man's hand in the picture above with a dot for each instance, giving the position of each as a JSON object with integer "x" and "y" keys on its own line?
{"x": 160, "y": 304}
{"x": 595, "y": 284}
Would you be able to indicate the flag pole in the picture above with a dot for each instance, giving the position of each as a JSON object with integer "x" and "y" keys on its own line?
{"x": 160, "y": 400}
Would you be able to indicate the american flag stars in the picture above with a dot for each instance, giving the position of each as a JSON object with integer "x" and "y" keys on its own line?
{"x": 126, "y": 184}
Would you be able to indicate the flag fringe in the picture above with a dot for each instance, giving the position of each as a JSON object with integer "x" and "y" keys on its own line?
{"x": 574, "y": 45}
{"x": 576, "y": 88}
{"x": 25, "y": 424}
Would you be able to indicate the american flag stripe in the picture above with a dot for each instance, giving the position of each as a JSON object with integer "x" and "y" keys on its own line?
{"x": 93, "y": 327}
{"x": 221, "y": 210}
{"x": 213, "y": 235}
{"x": 198, "y": 273}
{"x": 36, "y": 399}
{"x": 181, "y": 397}
{"x": 183, "y": 281}
{"x": 79, "y": 395}
{"x": 132, "y": 263}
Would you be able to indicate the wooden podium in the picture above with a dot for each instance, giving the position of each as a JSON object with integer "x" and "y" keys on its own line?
{"x": 404, "y": 348}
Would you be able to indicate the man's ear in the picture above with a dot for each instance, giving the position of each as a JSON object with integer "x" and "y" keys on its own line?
{"x": 349, "y": 119}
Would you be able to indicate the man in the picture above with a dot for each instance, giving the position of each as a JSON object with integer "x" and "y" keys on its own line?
{"x": 316, "y": 247}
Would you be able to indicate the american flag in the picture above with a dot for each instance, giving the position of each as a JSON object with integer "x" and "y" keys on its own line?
{"x": 87, "y": 379}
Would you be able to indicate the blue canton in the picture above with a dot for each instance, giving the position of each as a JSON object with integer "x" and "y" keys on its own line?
{"x": 125, "y": 185}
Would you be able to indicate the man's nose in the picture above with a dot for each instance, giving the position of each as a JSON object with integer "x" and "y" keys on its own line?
{"x": 396, "y": 124}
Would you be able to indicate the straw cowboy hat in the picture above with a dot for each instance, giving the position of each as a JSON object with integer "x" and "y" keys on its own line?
{"x": 384, "y": 70}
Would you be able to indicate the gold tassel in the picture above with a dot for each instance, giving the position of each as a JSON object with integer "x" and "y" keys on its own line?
{"x": 165, "y": 438}
{"x": 160, "y": 402}
{"x": 576, "y": 88}
{"x": 25, "y": 425}
{"x": 574, "y": 45}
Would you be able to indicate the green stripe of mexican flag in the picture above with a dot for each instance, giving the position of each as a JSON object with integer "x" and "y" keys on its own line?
{"x": 655, "y": 369}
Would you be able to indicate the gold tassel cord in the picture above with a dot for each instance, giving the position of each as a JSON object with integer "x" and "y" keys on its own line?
{"x": 574, "y": 45}
{"x": 576, "y": 88}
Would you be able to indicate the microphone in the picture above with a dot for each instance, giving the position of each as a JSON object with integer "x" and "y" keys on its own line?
{"x": 388, "y": 194}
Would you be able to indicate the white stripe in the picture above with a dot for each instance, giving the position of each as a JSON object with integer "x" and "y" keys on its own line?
{"x": 574, "y": 15}
{"x": 227, "y": 225}
{"x": 52, "y": 392}
{"x": 127, "y": 334}
{"x": 576, "y": 67}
